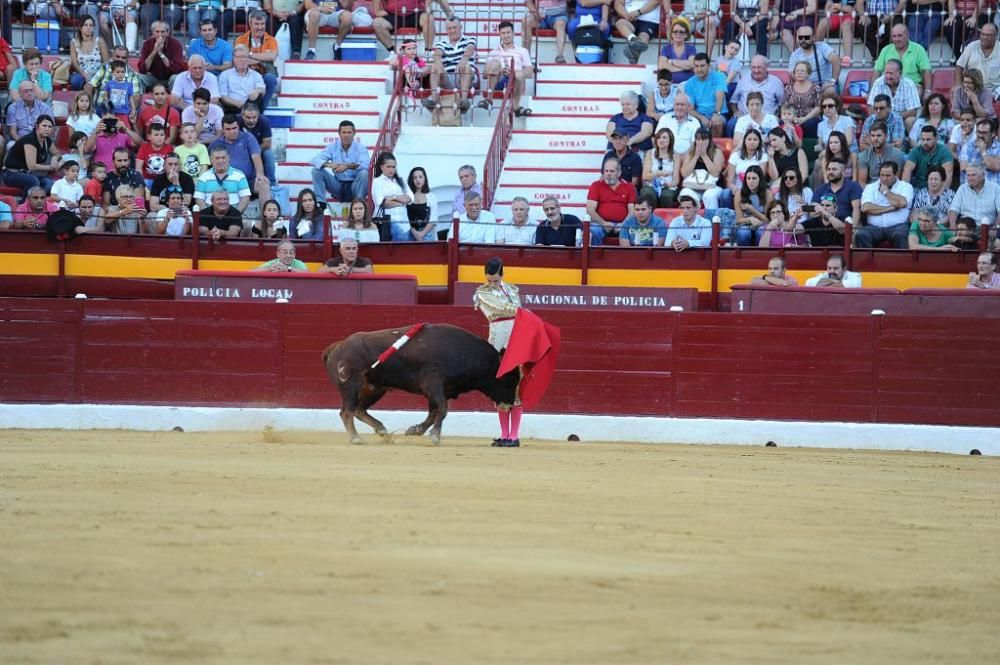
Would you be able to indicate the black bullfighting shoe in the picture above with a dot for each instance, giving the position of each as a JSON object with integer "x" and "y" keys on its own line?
{"x": 498, "y": 443}
{"x": 511, "y": 443}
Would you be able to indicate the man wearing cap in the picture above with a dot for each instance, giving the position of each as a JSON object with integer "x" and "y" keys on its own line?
{"x": 610, "y": 200}
{"x": 775, "y": 275}
{"x": 629, "y": 162}
{"x": 690, "y": 229}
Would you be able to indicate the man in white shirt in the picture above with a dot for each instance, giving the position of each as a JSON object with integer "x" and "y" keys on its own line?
{"x": 499, "y": 63}
{"x": 976, "y": 198}
{"x": 836, "y": 275}
{"x": 681, "y": 123}
{"x": 887, "y": 203}
{"x": 519, "y": 230}
{"x": 475, "y": 225}
{"x": 690, "y": 229}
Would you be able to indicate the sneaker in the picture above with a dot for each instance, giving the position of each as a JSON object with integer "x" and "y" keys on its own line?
{"x": 296, "y": 56}
{"x": 311, "y": 54}
{"x": 637, "y": 45}
{"x": 510, "y": 443}
{"x": 631, "y": 56}
{"x": 464, "y": 105}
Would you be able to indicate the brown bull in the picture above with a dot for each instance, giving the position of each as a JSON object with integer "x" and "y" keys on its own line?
{"x": 441, "y": 362}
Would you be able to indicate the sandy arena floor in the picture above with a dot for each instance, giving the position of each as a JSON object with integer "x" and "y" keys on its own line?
{"x": 147, "y": 548}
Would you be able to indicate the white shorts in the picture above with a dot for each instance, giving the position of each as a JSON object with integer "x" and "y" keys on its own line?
{"x": 362, "y": 19}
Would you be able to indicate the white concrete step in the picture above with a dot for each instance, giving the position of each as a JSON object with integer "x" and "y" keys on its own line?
{"x": 573, "y": 106}
{"x": 298, "y": 152}
{"x": 557, "y": 140}
{"x": 622, "y": 74}
{"x": 359, "y": 85}
{"x": 585, "y": 122}
{"x": 318, "y": 69}
{"x": 294, "y": 171}
{"x": 585, "y": 90}
{"x": 334, "y": 103}
{"x": 548, "y": 176}
{"x": 552, "y": 160}
{"x": 329, "y": 121}
{"x": 537, "y": 193}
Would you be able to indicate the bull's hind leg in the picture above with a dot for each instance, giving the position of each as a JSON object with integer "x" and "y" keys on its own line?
{"x": 350, "y": 390}
{"x": 368, "y": 397}
{"x": 439, "y": 409}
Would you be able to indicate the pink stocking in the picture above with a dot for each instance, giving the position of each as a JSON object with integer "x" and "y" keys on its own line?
{"x": 504, "y": 423}
{"x": 515, "y": 422}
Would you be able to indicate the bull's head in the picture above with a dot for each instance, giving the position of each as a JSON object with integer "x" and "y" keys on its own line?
{"x": 504, "y": 389}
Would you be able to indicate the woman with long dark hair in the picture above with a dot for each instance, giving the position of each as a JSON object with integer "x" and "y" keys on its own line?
{"x": 391, "y": 196}
{"x": 307, "y": 223}
{"x": 660, "y": 171}
{"x": 836, "y": 148}
{"x": 750, "y": 153}
{"x": 359, "y": 223}
{"x": 793, "y": 192}
{"x": 422, "y": 212}
{"x": 752, "y": 199}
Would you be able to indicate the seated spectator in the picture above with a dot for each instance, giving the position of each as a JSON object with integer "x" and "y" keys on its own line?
{"x": 610, "y": 200}
{"x": 817, "y": 53}
{"x": 928, "y": 154}
{"x": 34, "y": 212}
{"x": 423, "y": 211}
{"x": 240, "y": 11}
{"x": 498, "y": 64}
{"x": 475, "y": 225}
{"x": 781, "y": 157}
{"x": 926, "y": 233}
{"x": 91, "y": 216}
{"x": 111, "y": 136}
{"x": 263, "y": 53}
{"x": 254, "y": 122}
{"x": 677, "y": 56}
{"x": 977, "y": 198}
{"x": 241, "y": 83}
{"x": 23, "y": 114}
{"x": 390, "y": 15}
{"x": 557, "y": 228}
{"x": 972, "y": 95}
{"x": 87, "y": 53}
{"x": 118, "y": 54}
{"x": 834, "y": 120}
{"x": 707, "y": 91}
{"x": 285, "y": 260}
{"x": 751, "y": 203}
{"x": 33, "y": 159}
{"x": 193, "y": 155}
{"x": 887, "y": 203}
{"x": 348, "y": 262}
{"x": 161, "y": 57}
{"x": 760, "y": 80}
{"x": 643, "y": 228}
{"x": 631, "y": 163}
{"x": 983, "y": 150}
{"x": 291, "y": 12}
{"x": 783, "y": 229}
{"x": 836, "y": 148}
{"x": 358, "y": 224}
{"x": 94, "y": 187}
{"x": 221, "y": 219}
{"x": 934, "y": 113}
{"x": 77, "y": 143}
{"x": 935, "y": 196}
{"x": 307, "y": 223}
{"x": 824, "y": 226}
{"x": 390, "y": 195}
{"x": 196, "y": 76}
{"x": 172, "y": 176}
{"x": 803, "y": 95}
{"x": 122, "y": 12}
{"x": 81, "y": 115}
{"x": 150, "y": 161}
{"x": 125, "y": 214}
{"x": 776, "y": 274}
{"x": 244, "y": 155}
{"x": 793, "y": 131}
{"x": 453, "y": 67}
{"x": 879, "y": 150}
{"x": 414, "y": 70}
{"x": 225, "y": 177}
{"x": 986, "y": 276}
{"x": 902, "y": 92}
{"x": 981, "y": 55}
{"x": 660, "y": 100}
{"x": 845, "y": 191}
{"x": 340, "y": 170}
{"x": 343, "y": 15}
{"x": 914, "y": 64}
{"x": 216, "y": 54}
{"x": 467, "y": 183}
{"x": 119, "y": 97}
{"x": 206, "y": 117}
{"x": 520, "y": 230}
{"x": 596, "y": 13}
{"x": 271, "y": 223}
{"x": 160, "y": 112}
{"x": 636, "y": 26}
{"x": 690, "y": 229}
{"x": 67, "y": 190}
{"x": 748, "y": 20}
{"x": 794, "y": 15}
{"x": 793, "y": 191}
{"x": 965, "y": 234}
{"x": 751, "y": 152}
{"x": 730, "y": 64}
{"x": 680, "y": 123}
{"x": 123, "y": 174}
{"x": 660, "y": 172}
{"x": 32, "y": 73}
{"x": 701, "y": 168}
{"x": 962, "y": 132}
{"x": 754, "y": 119}
{"x": 836, "y": 275}
{"x": 174, "y": 218}
{"x": 548, "y": 15}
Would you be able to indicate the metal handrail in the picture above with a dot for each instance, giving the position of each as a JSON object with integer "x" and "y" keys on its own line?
{"x": 500, "y": 141}
{"x": 388, "y": 133}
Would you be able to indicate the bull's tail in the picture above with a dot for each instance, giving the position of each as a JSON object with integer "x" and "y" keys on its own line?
{"x": 328, "y": 353}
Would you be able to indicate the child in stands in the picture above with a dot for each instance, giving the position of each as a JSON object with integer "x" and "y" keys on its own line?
{"x": 95, "y": 186}
{"x": 793, "y": 131}
{"x": 67, "y": 190}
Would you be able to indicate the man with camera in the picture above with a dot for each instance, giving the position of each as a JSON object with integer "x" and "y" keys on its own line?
{"x": 111, "y": 135}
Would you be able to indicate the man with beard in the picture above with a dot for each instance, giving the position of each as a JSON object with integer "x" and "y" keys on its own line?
{"x": 845, "y": 191}
{"x": 123, "y": 174}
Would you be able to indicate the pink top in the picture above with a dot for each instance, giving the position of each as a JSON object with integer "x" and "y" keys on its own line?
{"x": 522, "y": 59}
{"x": 23, "y": 212}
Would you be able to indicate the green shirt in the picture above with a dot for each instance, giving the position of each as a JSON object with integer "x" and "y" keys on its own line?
{"x": 296, "y": 265}
{"x": 940, "y": 242}
{"x": 915, "y": 61}
{"x": 924, "y": 161}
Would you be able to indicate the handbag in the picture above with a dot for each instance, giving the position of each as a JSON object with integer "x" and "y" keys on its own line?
{"x": 418, "y": 214}
{"x": 700, "y": 179}
{"x": 383, "y": 223}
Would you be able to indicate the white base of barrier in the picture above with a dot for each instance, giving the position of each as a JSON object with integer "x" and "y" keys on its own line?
{"x": 930, "y": 438}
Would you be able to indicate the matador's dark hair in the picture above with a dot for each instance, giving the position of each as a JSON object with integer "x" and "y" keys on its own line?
{"x": 494, "y": 266}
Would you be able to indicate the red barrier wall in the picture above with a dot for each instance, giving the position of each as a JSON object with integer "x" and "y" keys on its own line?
{"x": 792, "y": 367}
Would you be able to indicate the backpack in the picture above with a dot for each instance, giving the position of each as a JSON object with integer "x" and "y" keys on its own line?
{"x": 590, "y": 45}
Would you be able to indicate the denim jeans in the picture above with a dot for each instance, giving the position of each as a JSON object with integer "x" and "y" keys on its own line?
{"x": 344, "y": 191}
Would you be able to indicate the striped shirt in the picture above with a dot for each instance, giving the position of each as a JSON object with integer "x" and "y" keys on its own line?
{"x": 235, "y": 184}
{"x": 984, "y": 204}
{"x": 451, "y": 54}
{"x": 906, "y": 98}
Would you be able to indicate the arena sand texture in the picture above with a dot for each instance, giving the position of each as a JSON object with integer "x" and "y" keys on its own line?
{"x": 130, "y": 547}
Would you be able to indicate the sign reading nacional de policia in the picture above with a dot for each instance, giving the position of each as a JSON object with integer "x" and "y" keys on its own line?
{"x": 635, "y": 299}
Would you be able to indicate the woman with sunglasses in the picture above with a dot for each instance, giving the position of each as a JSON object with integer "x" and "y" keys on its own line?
{"x": 833, "y": 120}
{"x": 677, "y": 55}
{"x": 926, "y": 233}
{"x": 793, "y": 191}
{"x": 782, "y": 229}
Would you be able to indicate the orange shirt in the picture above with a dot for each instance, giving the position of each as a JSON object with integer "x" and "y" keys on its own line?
{"x": 268, "y": 44}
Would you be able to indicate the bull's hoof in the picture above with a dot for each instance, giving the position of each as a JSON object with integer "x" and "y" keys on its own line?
{"x": 414, "y": 430}
{"x": 356, "y": 440}
{"x": 384, "y": 433}
{"x": 435, "y": 439}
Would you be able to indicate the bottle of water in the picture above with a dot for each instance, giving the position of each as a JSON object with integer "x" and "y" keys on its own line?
{"x": 579, "y": 237}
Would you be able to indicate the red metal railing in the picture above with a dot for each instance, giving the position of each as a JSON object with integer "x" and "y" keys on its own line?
{"x": 388, "y": 133}
{"x": 497, "y": 151}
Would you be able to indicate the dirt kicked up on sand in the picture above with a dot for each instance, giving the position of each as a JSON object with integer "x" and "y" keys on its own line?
{"x": 291, "y": 548}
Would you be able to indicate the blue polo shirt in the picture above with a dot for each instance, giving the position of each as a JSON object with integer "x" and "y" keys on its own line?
{"x": 849, "y": 192}
{"x": 702, "y": 92}
{"x": 219, "y": 53}
{"x": 240, "y": 152}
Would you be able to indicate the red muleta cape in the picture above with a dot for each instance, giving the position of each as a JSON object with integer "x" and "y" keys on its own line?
{"x": 534, "y": 344}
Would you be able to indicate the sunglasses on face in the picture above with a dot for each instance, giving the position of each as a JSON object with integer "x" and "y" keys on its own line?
{"x": 791, "y": 177}
{"x": 805, "y": 38}
{"x": 829, "y": 106}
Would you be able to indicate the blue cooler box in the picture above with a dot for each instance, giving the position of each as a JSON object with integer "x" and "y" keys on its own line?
{"x": 47, "y": 36}
{"x": 589, "y": 55}
{"x": 362, "y": 50}
{"x": 280, "y": 118}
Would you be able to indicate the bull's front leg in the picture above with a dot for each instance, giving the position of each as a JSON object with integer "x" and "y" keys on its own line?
{"x": 420, "y": 428}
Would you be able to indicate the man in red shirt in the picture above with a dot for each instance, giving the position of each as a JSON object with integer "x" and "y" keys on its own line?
{"x": 390, "y": 15}
{"x": 161, "y": 57}
{"x": 610, "y": 201}
{"x": 159, "y": 112}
